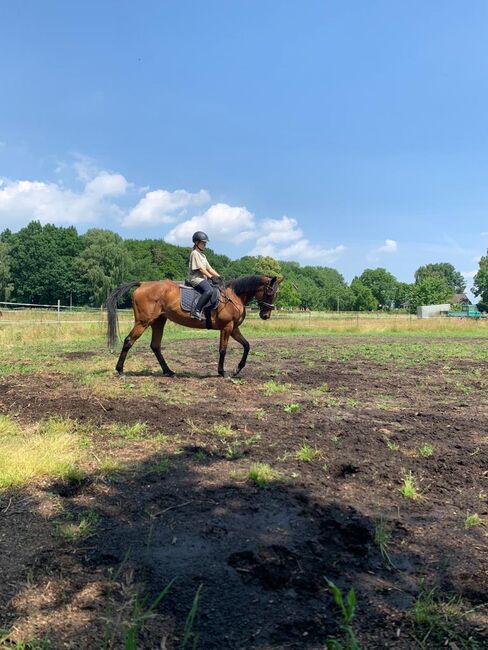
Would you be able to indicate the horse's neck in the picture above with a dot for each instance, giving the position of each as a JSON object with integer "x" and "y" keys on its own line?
{"x": 247, "y": 296}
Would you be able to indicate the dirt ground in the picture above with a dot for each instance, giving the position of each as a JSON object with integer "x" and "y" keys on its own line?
{"x": 253, "y": 560}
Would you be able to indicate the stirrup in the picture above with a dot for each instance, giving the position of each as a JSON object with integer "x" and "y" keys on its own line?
{"x": 196, "y": 314}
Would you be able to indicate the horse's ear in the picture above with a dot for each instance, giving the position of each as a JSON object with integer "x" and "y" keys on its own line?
{"x": 277, "y": 279}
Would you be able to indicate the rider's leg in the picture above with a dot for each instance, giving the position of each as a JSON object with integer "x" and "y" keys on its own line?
{"x": 205, "y": 289}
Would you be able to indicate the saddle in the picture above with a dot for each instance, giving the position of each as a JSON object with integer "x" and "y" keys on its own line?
{"x": 189, "y": 297}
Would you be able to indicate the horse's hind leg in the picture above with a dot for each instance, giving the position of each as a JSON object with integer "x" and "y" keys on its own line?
{"x": 157, "y": 335}
{"x": 129, "y": 341}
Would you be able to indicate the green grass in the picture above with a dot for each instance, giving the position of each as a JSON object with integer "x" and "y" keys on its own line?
{"x": 472, "y": 521}
{"x": 307, "y": 453}
{"x": 51, "y": 448}
{"x": 263, "y": 475}
{"x": 291, "y": 408}
{"x": 223, "y": 430}
{"x": 409, "y": 489}
{"x": 272, "y": 387}
{"x": 136, "y": 431}
{"x": 426, "y": 450}
{"x": 81, "y": 528}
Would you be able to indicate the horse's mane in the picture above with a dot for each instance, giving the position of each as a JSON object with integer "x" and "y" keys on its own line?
{"x": 245, "y": 284}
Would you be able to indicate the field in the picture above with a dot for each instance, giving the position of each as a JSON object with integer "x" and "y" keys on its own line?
{"x": 351, "y": 452}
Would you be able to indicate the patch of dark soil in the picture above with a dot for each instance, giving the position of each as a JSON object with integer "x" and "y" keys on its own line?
{"x": 79, "y": 355}
{"x": 69, "y": 489}
{"x": 261, "y": 556}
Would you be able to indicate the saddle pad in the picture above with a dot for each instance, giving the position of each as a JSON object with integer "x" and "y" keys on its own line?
{"x": 188, "y": 296}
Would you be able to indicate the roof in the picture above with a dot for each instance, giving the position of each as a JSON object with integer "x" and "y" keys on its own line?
{"x": 460, "y": 299}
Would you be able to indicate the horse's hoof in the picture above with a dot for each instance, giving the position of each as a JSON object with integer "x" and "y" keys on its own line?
{"x": 237, "y": 371}
{"x": 119, "y": 373}
{"x": 169, "y": 374}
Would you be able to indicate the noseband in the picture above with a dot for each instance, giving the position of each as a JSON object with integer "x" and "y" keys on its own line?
{"x": 263, "y": 303}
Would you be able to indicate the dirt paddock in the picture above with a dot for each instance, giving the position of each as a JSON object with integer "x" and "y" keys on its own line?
{"x": 342, "y": 423}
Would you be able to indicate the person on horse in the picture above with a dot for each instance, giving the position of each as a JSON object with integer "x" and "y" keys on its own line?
{"x": 199, "y": 273}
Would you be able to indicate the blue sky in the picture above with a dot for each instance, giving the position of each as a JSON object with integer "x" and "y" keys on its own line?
{"x": 343, "y": 133}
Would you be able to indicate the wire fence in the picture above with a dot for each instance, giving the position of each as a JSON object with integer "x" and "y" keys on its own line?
{"x": 12, "y": 313}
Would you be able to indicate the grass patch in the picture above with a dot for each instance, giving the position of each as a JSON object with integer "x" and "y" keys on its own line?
{"x": 79, "y": 529}
{"x": 136, "y": 431}
{"x": 307, "y": 453}
{"x": 49, "y": 449}
{"x": 272, "y": 387}
{"x": 263, "y": 475}
{"x": 426, "y": 450}
{"x": 472, "y": 521}
{"x": 291, "y": 408}
{"x": 223, "y": 430}
{"x": 408, "y": 489}
{"x": 162, "y": 467}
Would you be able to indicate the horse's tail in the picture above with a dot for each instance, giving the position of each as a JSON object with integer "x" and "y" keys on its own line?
{"x": 112, "y": 300}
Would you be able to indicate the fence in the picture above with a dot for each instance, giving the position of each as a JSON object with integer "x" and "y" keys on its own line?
{"x": 12, "y": 313}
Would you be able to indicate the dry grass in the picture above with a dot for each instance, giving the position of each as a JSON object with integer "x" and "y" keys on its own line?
{"x": 31, "y": 326}
{"x": 51, "y": 448}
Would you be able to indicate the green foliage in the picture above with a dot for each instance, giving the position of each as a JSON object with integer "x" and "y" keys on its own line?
{"x": 103, "y": 264}
{"x": 347, "y": 607}
{"x": 480, "y": 282}
{"x": 453, "y": 278}
{"x": 432, "y": 290}
{"x": 383, "y": 286}
{"x": 364, "y": 299}
{"x": 6, "y": 285}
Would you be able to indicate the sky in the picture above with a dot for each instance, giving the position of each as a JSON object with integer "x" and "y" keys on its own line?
{"x": 341, "y": 133}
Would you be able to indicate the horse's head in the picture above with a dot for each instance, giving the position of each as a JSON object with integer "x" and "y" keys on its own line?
{"x": 266, "y": 295}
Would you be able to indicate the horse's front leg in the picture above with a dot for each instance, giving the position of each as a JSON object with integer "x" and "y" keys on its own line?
{"x": 237, "y": 336}
{"x": 224, "y": 341}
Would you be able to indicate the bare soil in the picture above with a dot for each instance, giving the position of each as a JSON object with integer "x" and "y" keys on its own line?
{"x": 261, "y": 555}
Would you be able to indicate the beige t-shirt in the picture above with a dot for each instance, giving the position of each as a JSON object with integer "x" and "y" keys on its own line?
{"x": 197, "y": 261}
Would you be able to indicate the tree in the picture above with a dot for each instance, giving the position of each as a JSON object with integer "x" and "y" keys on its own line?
{"x": 480, "y": 283}
{"x": 432, "y": 290}
{"x": 6, "y": 285}
{"x": 445, "y": 270}
{"x": 402, "y": 294}
{"x": 288, "y": 295}
{"x": 42, "y": 260}
{"x": 364, "y": 299}
{"x": 103, "y": 264}
{"x": 383, "y": 286}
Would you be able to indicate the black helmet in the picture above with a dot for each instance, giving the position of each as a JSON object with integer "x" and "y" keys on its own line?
{"x": 199, "y": 236}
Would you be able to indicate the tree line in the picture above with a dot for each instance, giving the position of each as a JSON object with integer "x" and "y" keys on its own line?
{"x": 41, "y": 264}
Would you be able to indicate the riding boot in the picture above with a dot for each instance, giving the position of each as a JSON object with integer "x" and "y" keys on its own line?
{"x": 197, "y": 310}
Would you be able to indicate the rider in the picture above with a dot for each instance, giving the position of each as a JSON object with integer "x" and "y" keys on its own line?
{"x": 199, "y": 272}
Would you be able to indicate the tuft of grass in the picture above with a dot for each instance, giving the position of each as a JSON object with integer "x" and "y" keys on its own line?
{"x": 272, "y": 387}
{"x": 262, "y": 474}
{"x": 223, "y": 430}
{"x": 307, "y": 453}
{"x": 426, "y": 450}
{"x": 49, "y": 449}
{"x": 135, "y": 431}
{"x": 291, "y": 408}
{"x": 472, "y": 521}
{"x": 382, "y": 539}
{"x": 109, "y": 466}
{"x": 162, "y": 467}
{"x": 74, "y": 531}
{"x": 392, "y": 446}
{"x": 408, "y": 489}
{"x": 260, "y": 414}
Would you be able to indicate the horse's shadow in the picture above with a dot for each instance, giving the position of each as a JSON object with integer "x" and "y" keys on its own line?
{"x": 184, "y": 374}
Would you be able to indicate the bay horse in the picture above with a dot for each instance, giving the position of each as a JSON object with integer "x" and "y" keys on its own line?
{"x": 156, "y": 302}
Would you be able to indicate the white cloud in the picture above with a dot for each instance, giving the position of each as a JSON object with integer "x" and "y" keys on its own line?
{"x": 469, "y": 275}
{"x": 161, "y": 206}
{"x": 222, "y": 222}
{"x": 283, "y": 239}
{"x": 390, "y": 246}
{"x": 23, "y": 200}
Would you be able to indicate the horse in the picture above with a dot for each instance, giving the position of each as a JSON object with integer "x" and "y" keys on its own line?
{"x": 156, "y": 302}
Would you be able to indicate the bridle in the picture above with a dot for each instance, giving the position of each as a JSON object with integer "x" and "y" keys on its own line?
{"x": 271, "y": 295}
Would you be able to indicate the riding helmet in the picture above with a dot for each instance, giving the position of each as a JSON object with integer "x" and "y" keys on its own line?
{"x": 199, "y": 236}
